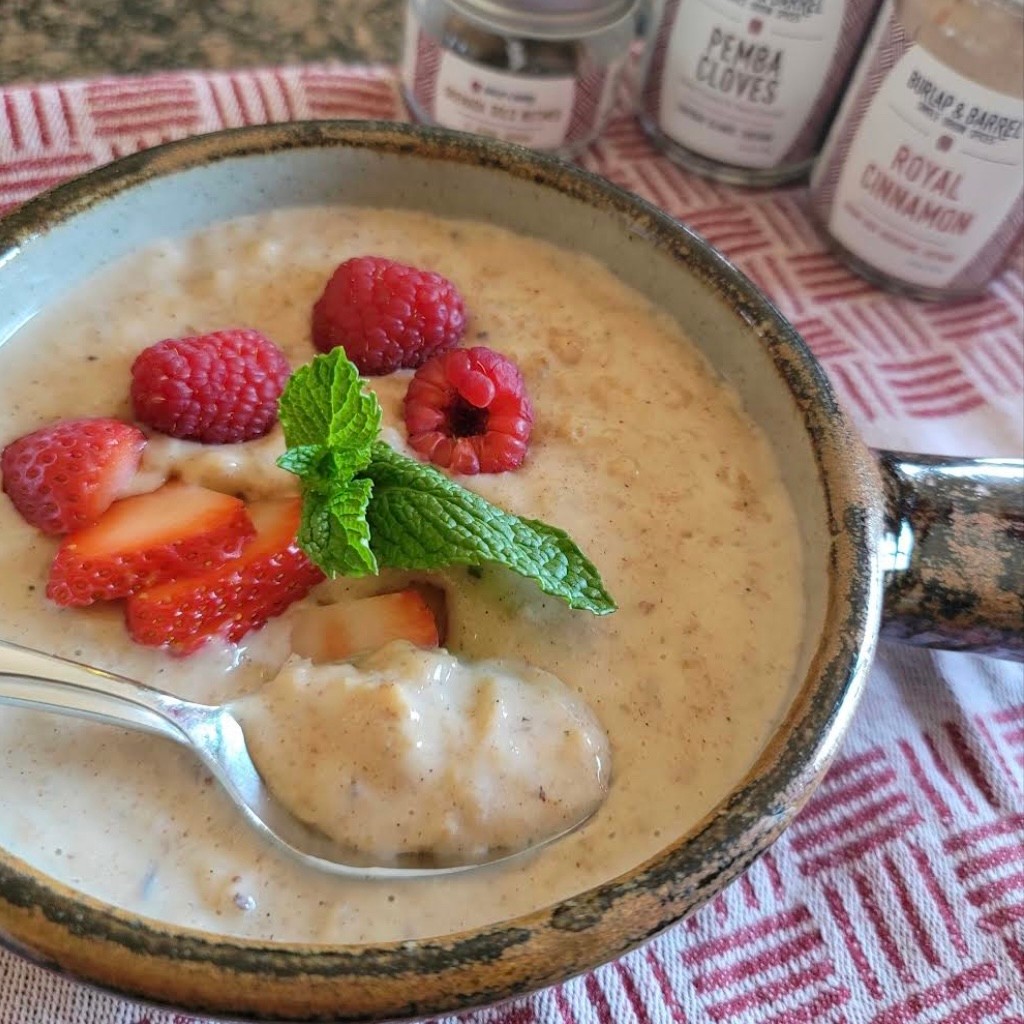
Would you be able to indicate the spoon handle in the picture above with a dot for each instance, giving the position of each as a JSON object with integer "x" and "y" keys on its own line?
{"x": 32, "y": 679}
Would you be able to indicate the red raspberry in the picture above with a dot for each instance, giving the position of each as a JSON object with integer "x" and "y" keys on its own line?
{"x": 64, "y": 476}
{"x": 387, "y": 315}
{"x": 217, "y": 388}
{"x": 468, "y": 411}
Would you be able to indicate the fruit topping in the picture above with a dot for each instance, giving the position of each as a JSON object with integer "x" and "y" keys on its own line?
{"x": 65, "y": 476}
{"x": 337, "y": 632}
{"x": 468, "y": 411}
{"x": 176, "y": 531}
{"x": 217, "y": 388}
{"x": 234, "y": 597}
{"x": 387, "y": 315}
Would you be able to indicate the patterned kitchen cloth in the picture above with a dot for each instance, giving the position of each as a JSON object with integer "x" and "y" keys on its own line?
{"x": 898, "y": 895}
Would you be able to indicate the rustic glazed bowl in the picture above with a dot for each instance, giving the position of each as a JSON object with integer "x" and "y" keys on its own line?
{"x": 867, "y": 543}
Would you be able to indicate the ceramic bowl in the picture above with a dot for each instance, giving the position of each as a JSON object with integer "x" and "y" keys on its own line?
{"x": 60, "y": 238}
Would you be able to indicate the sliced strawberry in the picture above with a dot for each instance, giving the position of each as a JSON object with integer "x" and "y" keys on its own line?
{"x": 176, "y": 531}
{"x": 235, "y": 597}
{"x": 336, "y": 632}
{"x": 66, "y": 475}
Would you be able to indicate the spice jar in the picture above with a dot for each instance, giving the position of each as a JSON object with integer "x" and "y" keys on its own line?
{"x": 743, "y": 90}
{"x": 920, "y": 186}
{"x": 538, "y": 72}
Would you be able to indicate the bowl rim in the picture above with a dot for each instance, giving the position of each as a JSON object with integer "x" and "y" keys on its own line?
{"x": 147, "y": 960}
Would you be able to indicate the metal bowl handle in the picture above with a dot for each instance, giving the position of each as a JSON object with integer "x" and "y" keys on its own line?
{"x": 954, "y": 553}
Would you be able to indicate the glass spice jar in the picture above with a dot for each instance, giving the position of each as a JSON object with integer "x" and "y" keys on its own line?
{"x": 920, "y": 186}
{"x": 541, "y": 73}
{"x": 743, "y": 90}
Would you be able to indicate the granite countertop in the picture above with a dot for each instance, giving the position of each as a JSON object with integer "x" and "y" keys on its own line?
{"x": 53, "y": 39}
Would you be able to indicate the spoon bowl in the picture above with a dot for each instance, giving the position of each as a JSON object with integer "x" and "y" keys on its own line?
{"x": 33, "y": 679}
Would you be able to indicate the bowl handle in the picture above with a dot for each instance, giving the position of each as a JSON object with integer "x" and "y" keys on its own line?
{"x": 953, "y": 553}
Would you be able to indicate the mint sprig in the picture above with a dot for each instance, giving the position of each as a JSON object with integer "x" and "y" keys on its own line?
{"x": 324, "y": 405}
{"x": 365, "y": 505}
{"x": 334, "y": 531}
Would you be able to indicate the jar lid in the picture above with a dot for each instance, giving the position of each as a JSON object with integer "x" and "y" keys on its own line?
{"x": 547, "y": 19}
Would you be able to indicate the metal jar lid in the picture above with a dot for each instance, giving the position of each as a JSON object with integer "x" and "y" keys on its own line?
{"x": 546, "y": 19}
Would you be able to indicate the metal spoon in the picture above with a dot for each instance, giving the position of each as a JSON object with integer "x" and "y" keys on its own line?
{"x": 45, "y": 682}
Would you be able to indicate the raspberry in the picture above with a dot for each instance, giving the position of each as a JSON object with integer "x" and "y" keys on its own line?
{"x": 468, "y": 411}
{"x": 387, "y": 315}
{"x": 217, "y": 388}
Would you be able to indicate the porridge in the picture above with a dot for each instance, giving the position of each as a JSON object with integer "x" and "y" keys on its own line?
{"x": 636, "y": 450}
{"x": 517, "y": 755}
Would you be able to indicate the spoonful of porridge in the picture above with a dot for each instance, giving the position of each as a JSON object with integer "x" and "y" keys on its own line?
{"x": 402, "y": 762}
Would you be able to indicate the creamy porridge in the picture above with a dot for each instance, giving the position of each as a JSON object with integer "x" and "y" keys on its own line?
{"x": 407, "y": 751}
{"x": 637, "y": 451}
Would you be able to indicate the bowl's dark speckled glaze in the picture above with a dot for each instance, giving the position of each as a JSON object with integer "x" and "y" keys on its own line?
{"x": 71, "y": 231}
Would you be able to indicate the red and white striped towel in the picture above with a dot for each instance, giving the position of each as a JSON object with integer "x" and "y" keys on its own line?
{"x": 898, "y": 896}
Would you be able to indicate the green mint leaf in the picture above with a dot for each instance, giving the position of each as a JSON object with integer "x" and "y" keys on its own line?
{"x": 315, "y": 463}
{"x": 306, "y": 460}
{"x": 324, "y": 404}
{"x": 420, "y": 519}
{"x": 334, "y": 532}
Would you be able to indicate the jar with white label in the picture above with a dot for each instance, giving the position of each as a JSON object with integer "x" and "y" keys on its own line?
{"x": 920, "y": 186}
{"x": 743, "y": 90}
{"x": 541, "y": 73}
